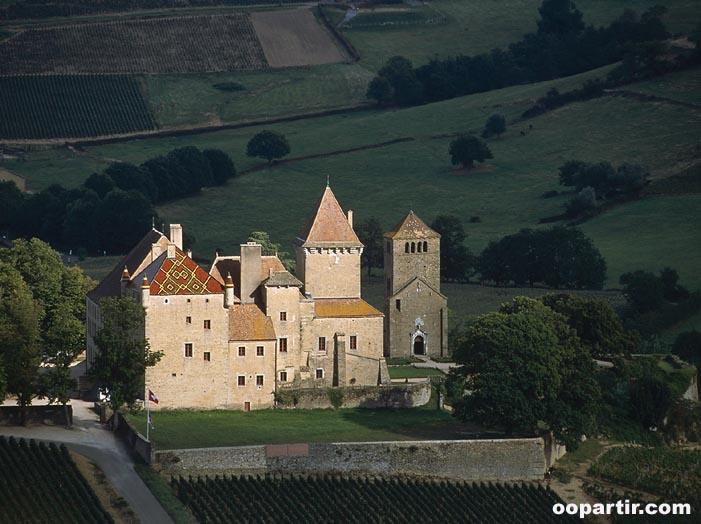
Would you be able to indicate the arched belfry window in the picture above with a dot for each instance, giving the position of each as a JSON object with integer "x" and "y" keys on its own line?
{"x": 425, "y": 246}
{"x": 418, "y": 247}
{"x": 413, "y": 247}
{"x": 406, "y": 247}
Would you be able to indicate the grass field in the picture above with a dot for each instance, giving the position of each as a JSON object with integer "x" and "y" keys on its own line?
{"x": 413, "y": 372}
{"x": 505, "y": 21}
{"x": 195, "y": 429}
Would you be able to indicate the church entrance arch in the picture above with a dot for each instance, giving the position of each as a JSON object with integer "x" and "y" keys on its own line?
{"x": 419, "y": 346}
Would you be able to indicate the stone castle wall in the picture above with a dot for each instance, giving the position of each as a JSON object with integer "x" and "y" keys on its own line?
{"x": 395, "y": 396}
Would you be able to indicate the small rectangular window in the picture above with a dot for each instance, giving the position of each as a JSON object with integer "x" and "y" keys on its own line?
{"x": 188, "y": 320}
{"x": 283, "y": 345}
{"x": 207, "y": 356}
{"x": 322, "y": 344}
{"x": 319, "y": 373}
{"x": 188, "y": 350}
{"x": 260, "y": 351}
{"x": 259, "y": 380}
{"x": 283, "y": 376}
{"x": 241, "y": 380}
{"x": 242, "y": 351}
{"x": 354, "y": 342}
{"x": 398, "y": 304}
{"x": 283, "y": 315}
{"x": 208, "y": 324}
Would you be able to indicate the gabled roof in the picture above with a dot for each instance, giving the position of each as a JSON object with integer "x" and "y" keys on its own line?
{"x": 223, "y": 266}
{"x": 411, "y": 227}
{"x": 423, "y": 281}
{"x": 282, "y": 279}
{"x": 344, "y": 307}
{"x": 178, "y": 276}
{"x": 329, "y": 225}
{"x": 248, "y": 322}
{"x": 136, "y": 260}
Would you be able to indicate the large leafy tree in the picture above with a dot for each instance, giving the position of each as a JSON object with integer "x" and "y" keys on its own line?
{"x": 495, "y": 125}
{"x": 269, "y": 145}
{"x": 222, "y": 166}
{"x": 457, "y": 263}
{"x": 268, "y": 247}
{"x": 123, "y": 354}
{"x": 467, "y": 149}
{"x": 370, "y": 234}
{"x": 524, "y": 367}
{"x": 687, "y": 345}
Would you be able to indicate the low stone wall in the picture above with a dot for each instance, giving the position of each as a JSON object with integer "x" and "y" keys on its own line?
{"x": 50, "y": 415}
{"x": 393, "y": 396}
{"x": 135, "y": 440}
{"x": 470, "y": 460}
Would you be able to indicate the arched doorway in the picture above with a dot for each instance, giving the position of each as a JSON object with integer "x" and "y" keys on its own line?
{"x": 419, "y": 345}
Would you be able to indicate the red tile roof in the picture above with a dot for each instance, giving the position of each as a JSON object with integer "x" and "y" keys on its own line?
{"x": 183, "y": 276}
{"x": 344, "y": 307}
{"x": 411, "y": 226}
{"x": 329, "y": 225}
{"x": 248, "y": 322}
{"x": 223, "y": 266}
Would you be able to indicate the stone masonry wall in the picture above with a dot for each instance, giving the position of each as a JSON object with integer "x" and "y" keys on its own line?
{"x": 394, "y": 396}
{"x": 469, "y": 460}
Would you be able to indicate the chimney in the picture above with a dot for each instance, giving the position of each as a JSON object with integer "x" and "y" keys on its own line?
{"x": 176, "y": 235}
{"x": 251, "y": 267}
{"x": 125, "y": 280}
{"x": 156, "y": 251}
{"x": 350, "y": 217}
{"x": 171, "y": 250}
{"x": 145, "y": 292}
{"x": 229, "y": 291}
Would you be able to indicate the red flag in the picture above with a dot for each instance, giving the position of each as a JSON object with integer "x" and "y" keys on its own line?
{"x": 152, "y": 397}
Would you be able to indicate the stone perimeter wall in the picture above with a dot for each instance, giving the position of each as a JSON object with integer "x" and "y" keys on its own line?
{"x": 409, "y": 395}
{"x": 469, "y": 460}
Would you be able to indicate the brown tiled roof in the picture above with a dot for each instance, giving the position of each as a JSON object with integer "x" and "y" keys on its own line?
{"x": 183, "y": 276}
{"x": 247, "y": 322}
{"x": 223, "y": 266}
{"x": 137, "y": 259}
{"x": 329, "y": 225}
{"x": 344, "y": 307}
{"x": 411, "y": 226}
{"x": 282, "y": 279}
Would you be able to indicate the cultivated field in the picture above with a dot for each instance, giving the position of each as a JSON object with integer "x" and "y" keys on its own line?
{"x": 295, "y": 38}
{"x": 185, "y": 44}
{"x": 41, "y": 484}
{"x": 36, "y": 107}
{"x": 297, "y": 500}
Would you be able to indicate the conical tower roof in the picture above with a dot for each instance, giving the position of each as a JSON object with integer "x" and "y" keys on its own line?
{"x": 328, "y": 226}
{"x": 411, "y": 227}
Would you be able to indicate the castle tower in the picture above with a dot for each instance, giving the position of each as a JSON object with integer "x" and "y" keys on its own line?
{"x": 416, "y": 313}
{"x": 328, "y": 252}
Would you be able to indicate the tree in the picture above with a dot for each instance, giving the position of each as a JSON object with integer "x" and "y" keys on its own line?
{"x": 495, "y": 125}
{"x": 466, "y": 150}
{"x": 221, "y": 164}
{"x": 399, "y": 75}
{"x": 650, "y": 400}
{"x": 380, "y": 90}
{"x": 271, "y": 248}
{"x": 193, "y": 170}
{"x": 123, "y": 354}
{"x": 123, "y": 218}
{"x": 10, "y": 201}
{"x": 268, "y": 145}
{"x": 560, "y": 17}
{"x": 582, "y": 202}
{"x": 687, "y": 346}
{"x": 129, "y": 177}
{"x": 457, "y": 263}
{"x": 19, "y": 336}
{"x": 101, "y": 183}
{"x": 524, "y": 366}
{"x": 571, "y": 260}
{"x": 643, "y": 290}
{"x": 370, "y": 234}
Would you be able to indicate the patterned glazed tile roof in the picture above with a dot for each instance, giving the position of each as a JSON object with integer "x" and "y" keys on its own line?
{"x": 345, "y": 307}
{"x": 248, "y": 322}
{"x": 329, "y": 225}
{"x": 223, "y": 266}
{"x": 411, "y": 226}
{"x": 181, "y": 276}
{"x": 282, "y": 279}
{"x": 134, "y": 261}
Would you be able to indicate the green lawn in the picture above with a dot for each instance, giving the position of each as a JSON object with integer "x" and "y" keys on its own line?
{"x": 413, "y": 372}
{"x": 190, "y": 429}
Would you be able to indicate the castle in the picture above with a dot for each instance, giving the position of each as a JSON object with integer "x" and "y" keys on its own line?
{"x": 234, "y": 336}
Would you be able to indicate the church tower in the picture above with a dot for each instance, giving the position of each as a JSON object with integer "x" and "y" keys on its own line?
{"x": 328, "y": 252}
{"x": 416, "y": 313}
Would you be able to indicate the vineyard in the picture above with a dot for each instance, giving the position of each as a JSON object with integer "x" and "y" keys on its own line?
{"x": 273, "y": 500}
{"x": 41, "y": 484}
{"x": 35, "y": 107}
{"x": 183, "y": 44}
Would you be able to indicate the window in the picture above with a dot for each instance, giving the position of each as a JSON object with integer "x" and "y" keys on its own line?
{"x": 283, "y": 376}
{"x": 418, "y": 247}
{"x": 207, "y": 356}
{"x": 242, "y": 351}
{"x": 425, "y": 246}
{"x": 354, "y": 342}
{"x": 188, "y": 350}
{"x": 259, "y": 380}
{"x": 406, "y": 247}
{"x": 322, "y": 344}
{"x": 208, "y": 324}
{"x": 188, "y": 320}
{"x": 283, "y": 315}
{"x": 283, "y": 345}
{"x": 260, "y": 351}
{"x": 319, "y": 373}
{"x": 413, "y": 247}
{"x": 398, "y": 304}
{"x": 241, "y": 380}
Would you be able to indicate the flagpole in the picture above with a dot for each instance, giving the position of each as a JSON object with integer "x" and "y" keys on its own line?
{"x": 148, "y": 414}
